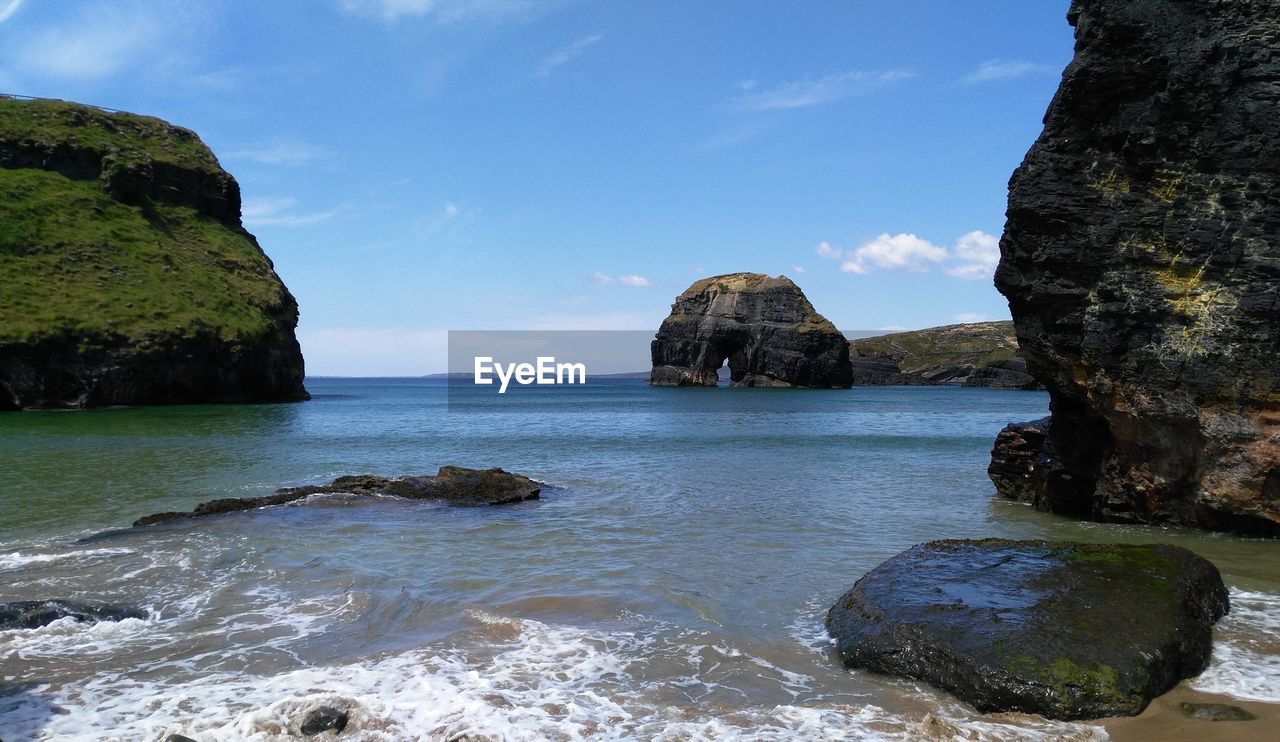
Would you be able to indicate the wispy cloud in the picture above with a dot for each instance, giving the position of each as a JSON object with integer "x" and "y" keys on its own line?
{"x": 8, "y": 8}
{"x": 283, "y": 152}
{"x": 973, "y": 256}
{"x": 798, "y": 269}
{"x": 994, "y": 70}
{"x": 391, "y": 11}
{"x": 627, "y": 280}
{"x": 565, "y": 54}
{"x": 819, "y": 91}
{"x": 967, "y": 317}
{"x": 280, "y": 212}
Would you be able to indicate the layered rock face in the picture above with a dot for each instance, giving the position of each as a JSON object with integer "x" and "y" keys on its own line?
{"x": 977, "y": 354}
{"x": 128, "y": 277}
{"x": 1141, "y": 260}
{"x": 765, "y": 327}
{"x": 1070, "y": 631}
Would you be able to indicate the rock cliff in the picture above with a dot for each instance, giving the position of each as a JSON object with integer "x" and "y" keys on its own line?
{"x": 765, "y": 327}
{"x": 128, "y": 278}
{"x": 1141, "y": 261}
{"x": 978, "y": 354}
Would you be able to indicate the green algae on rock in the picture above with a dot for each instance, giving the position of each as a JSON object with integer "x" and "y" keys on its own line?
{"x": 975, "y": 354}
{"x": 1066, "y": 630}
{"x": 128, "y": 277}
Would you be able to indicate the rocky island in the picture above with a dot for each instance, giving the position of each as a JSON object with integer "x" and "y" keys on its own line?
{"x": 128, "y": 276}
{"x": 1142, "y": 267}
{"x": 975, "y": 354}
{"x": 763, "y": 326}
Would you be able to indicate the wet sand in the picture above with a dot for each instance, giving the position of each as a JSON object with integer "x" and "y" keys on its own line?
{"x": 1163, "y": 720}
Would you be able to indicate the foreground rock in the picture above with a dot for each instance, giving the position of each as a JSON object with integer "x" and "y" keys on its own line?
{"x": 1142, "y": 265}
{"x": 1020, "y": 461}
{"x": 32, "y": 614}
{"x": 454, "y": 484}
{"x": 323, "y": 719}
{"x": 765, "y": 327}
{"x": 1069, "y": 631}
{"x": 978, "y": 354}
{"x": 128, "y": 277}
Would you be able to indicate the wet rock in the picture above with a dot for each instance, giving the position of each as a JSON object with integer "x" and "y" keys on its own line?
{"x": 456, "y": 485}
{"x": 1069, "y": 631}
{"x": 1020, "y": 460}
{"x": 1142, "y": 268}
{"x": 178, "y": 738}
{"x": 1216, "y": 712}
{"x": 977, "y": 354}
{"x": 322, "y": 719}
{"x": 32, "y": 614}
{"x": 765, "y": 327}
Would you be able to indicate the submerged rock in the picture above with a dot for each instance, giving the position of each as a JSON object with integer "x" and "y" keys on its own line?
{"x": 1216, "y": 712}
{"x": 32, "y": 614}
{"x": 1142, "y": 266}
{"x": 128, "y": 277}
{"x": 1069, "y": 631}
{"x": 1020, "y": 460}
{"x": 765, "y": 327}
{"x": 322, "y": 719}
{"x": 977, "y": 354}
{"x": 456, "y": 485}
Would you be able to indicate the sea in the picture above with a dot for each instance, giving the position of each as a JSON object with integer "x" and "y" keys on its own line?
{"x": 670, "y": 583}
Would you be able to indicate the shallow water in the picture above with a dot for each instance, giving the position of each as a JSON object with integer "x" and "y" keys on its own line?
{"x": 671, "y": 582}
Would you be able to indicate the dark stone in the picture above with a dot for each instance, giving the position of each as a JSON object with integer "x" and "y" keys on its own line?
{"x": 178, "y": 738}
{"x": 766, "y": 329}
{"x": 1142, "y": 268}
{"x": 32, "y": 614}
{"x": 456, "y": 485}
{"x": 1216, "y": 712}
{"x": 322, "y": 719}
{"x": 1020, "y": 460}
{"x": 1069, "y": 631}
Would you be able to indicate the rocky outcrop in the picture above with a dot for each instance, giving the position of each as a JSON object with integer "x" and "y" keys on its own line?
{"x": 977, "y": 354}
{"x": 128, "y": 276}
{"x": 1020, "y": 460}
{"x": 1142, "y": 265}
{"x": 1069, "y": 631}
{"x": 765, "y": 327}
{"x": 32, "y": 614}
{"x": 456, "y": 485}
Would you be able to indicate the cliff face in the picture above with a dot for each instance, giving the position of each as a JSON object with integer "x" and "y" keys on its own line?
{"x": 978, "y": 354}
{"x": 128, "y": 278}
{"x": 764, "y": 327}
{"x": 1141, "y": 260}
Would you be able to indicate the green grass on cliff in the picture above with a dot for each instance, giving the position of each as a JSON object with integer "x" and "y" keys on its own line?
{"x": 126, "y": 134}
{"x": 975, "y": 344}
{"x": 74, "y": 260}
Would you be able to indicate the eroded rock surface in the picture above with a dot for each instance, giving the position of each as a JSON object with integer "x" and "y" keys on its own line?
{"x": 456, "y": 485}
{"x": 1070, "y": 631}
{"x": 1141, "y": 260}
{"x": 764, "y": 326}
{"x": 1020, "y": 460}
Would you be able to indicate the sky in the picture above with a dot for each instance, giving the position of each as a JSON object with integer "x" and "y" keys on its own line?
{"x": 419, "y": 166}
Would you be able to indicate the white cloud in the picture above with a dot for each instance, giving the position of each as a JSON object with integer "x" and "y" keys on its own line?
{"x": 627, "y": 280}
{"x": 816, "y": 92}
{"x": 825, "y": 250}
{"x": 994, "y": 70}
{"x": 978, "y": 253}
{"x": 287, "y": 153}
{"x": 566, "y": 54}
{"x": 444, "y": 10}
{"x": 8, "y": 8}
{"x": 798, "y": 269}
{"x": 894, "y": 252}
{"x": 967, "y": 317}
{"x": 278, "y": 212}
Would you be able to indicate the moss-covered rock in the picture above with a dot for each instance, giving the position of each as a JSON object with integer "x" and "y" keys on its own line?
{"x": 978, "y": 354}
{"x": 128, "y": 278}
{"x": 1070, "y": 631}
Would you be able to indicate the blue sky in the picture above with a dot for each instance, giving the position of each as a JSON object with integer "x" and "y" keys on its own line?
{"x": 415, "y": 166}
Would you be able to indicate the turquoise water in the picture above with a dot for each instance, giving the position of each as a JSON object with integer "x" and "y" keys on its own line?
{"x": 671, "y": 581}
